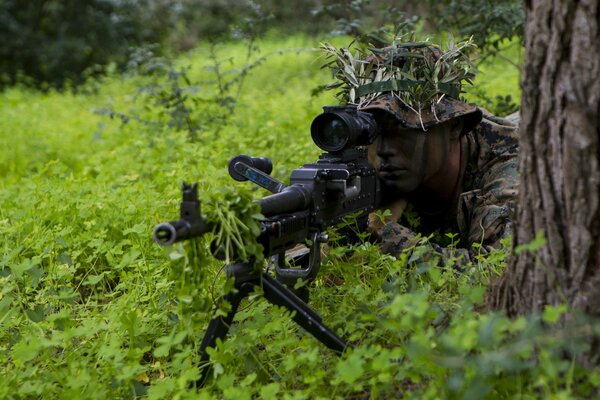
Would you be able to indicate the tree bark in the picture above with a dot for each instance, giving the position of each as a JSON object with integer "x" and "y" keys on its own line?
{"x": 559, "y": 162}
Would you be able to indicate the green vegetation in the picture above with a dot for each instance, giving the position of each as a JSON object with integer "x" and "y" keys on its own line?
{"x": 58, "y": 43}
{"x": 91, "y": 308}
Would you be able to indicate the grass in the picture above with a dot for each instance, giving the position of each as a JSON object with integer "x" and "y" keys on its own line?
{"x": 91, "y": 308}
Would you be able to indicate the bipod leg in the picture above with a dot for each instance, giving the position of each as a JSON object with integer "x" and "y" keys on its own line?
{"x": 276, "y": 293}
{"x": 244, "y": 281}
{"x": 306, "y": 317}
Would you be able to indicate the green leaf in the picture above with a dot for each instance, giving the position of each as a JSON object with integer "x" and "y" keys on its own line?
{"x": 26, "y": 350}
{"x": 269, "y": 391}
{"x": 5, "y": 304}
{"x": 435, "y": 275}
{"x": 476, "y": 294}
{"x": 247, "y": 381}
{"x": 176, "y": 254}
{"x": 18, "y": 270}
{"x": 64, "y": 258}
{"x": 37, "y": 313}
{"x": 93, "y": 279}
{"x": 552, "y": 314}
{"x": 138, "y": 229}
{"x": 162, "y": 389}
{"x": 350, "y": 369}
{"x": 537, "y": 243}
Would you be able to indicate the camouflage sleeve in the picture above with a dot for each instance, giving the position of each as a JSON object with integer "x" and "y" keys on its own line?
{"x": 396, "y": 239}
{"x": 487, "y": 213}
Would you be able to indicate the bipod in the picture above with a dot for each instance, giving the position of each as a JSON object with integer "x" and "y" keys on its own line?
{"x": 246, "y": 279}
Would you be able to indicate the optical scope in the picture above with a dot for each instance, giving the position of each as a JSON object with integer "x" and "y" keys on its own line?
{"x": 343, "y": 127}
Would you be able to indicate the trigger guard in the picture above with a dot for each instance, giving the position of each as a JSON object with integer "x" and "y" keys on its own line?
{"x": 289, "y": 276}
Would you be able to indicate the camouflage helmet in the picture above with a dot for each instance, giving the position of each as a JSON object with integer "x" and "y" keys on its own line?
{"x": 417, "y": 82}
{"x": 444, "y": 110}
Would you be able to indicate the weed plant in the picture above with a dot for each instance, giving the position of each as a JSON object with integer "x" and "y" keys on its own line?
{"x": 91, "y": 307}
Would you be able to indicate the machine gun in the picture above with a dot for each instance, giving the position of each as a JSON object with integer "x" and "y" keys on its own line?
{"x": 320, "y": 195}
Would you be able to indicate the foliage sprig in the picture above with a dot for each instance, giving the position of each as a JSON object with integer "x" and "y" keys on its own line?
{"x": 419, "y": 73}
{"x": 236, "y": 221}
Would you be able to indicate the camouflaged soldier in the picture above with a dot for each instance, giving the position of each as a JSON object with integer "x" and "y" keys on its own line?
{"x": 459, "y": 176}
{"x": 455, "y": 164}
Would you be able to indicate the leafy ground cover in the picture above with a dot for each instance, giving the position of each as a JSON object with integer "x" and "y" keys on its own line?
{"x": 91, "y": 308}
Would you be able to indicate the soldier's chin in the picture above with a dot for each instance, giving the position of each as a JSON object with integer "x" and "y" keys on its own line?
{"x": 396, "y": 188}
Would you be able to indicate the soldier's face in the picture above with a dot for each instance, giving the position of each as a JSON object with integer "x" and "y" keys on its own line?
{"x": 405, "y": 158}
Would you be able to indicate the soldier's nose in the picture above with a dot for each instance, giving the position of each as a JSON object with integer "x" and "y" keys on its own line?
{"x": 384, "y": 150}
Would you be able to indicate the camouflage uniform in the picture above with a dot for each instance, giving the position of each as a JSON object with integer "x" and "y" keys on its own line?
{"x": 484, "y": 202}
{"x": 483, "y": 209}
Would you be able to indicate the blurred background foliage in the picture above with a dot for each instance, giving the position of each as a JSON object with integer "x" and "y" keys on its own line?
{"x": 53, "y": 43}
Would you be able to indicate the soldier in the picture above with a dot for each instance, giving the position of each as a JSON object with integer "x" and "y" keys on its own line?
{"x": 459, "y": 173}
{"x": 454, "y": 163}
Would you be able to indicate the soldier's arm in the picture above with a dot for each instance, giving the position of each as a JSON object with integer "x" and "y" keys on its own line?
{"x": 396, "y": 239}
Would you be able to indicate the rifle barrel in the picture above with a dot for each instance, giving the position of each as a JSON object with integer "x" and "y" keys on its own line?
{"x": 175, "y": 231}
{"x": 292, "y": 198}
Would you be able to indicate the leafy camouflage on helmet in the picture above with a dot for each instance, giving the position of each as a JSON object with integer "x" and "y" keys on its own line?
{"x": 419, "y": 75}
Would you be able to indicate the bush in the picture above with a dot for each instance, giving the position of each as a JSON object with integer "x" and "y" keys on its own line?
{"x": 53, "y": 42}
{"x": 490, "y": 22}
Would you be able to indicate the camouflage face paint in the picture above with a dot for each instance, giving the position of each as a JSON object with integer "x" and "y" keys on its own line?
{"x": 401, "y": 157}
{"x": 406, "y": 159}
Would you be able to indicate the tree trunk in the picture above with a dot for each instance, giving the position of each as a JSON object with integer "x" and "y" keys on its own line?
{"x": 559, "y": 162}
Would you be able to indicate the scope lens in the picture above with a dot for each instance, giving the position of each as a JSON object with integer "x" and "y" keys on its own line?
{"x": 330, "y": 132}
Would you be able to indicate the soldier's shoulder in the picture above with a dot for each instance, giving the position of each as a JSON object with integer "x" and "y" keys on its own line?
{"x": 498, "y": 135}
{"x": 509, "y": 121}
